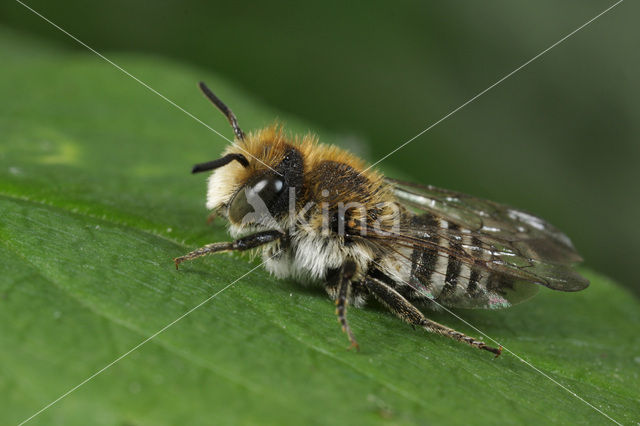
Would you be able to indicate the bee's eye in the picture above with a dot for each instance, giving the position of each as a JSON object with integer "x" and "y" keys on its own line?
{"x": 267, "y": 188}
{"x": 265, "y": 192}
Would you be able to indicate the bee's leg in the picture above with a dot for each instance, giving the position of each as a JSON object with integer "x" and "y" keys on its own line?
{"x": 409, "y": 313}
{"x": 244, "y": 243}
{"x": 344, "y": 292}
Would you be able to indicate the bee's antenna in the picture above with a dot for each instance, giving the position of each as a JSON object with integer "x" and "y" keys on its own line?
{"x": 203, "y": 167}
{"x": 225, "y": 110}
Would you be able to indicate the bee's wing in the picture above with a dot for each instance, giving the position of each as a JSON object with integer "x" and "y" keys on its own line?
{"x": 511, "y": 250}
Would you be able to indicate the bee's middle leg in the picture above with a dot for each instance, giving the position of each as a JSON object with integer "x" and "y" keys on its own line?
{"x": 244, "y": 243}
{"x": 345, "y": 276}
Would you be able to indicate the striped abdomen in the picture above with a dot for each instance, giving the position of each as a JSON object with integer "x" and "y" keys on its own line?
{"x": 448, "y": 265}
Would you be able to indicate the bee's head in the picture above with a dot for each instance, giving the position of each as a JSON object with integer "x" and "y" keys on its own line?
{"x": 251, "y": 183}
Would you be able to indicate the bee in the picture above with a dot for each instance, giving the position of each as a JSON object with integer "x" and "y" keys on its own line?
{"x": 318, "y": 214}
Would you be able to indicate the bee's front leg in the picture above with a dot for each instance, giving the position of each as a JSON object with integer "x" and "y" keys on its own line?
{"x": 244, "y": 243}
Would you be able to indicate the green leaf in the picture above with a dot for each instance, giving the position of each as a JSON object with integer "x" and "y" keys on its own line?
{"x": 96, "y": 200}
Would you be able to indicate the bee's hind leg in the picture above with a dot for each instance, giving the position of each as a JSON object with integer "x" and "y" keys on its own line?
{"x": 244, "y": 243}
{"x": 409, "y": 313}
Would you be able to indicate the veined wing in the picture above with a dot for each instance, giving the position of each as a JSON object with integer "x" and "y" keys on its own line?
{"x": 461, "y": 247}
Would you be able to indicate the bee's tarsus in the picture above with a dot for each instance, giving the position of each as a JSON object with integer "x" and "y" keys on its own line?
{"x": 498, "y": 351}
{"x": 495, "y": 351}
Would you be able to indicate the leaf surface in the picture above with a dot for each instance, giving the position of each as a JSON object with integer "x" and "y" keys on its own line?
{"x": 96, "y": 199}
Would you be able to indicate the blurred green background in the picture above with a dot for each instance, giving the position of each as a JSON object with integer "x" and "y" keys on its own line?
{"x": 559, "y": 138}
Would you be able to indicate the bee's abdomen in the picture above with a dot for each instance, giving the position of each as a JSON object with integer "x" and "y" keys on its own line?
{"x": 424, "y": 261}
{"x": 442, "y": 269}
